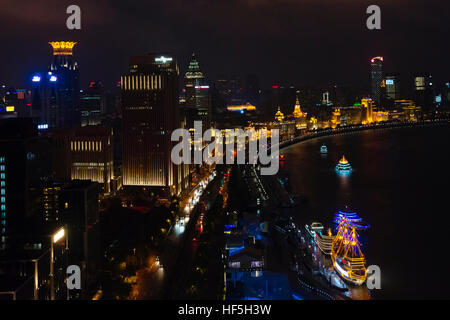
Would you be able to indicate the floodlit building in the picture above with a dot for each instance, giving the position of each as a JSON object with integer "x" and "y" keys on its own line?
{"x": 84, "y": 153}
{"x": 150, "y": 113}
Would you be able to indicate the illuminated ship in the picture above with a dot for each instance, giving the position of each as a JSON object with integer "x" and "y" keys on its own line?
{"x": 348, "y": 259}
{"x": 351, "y": 219}
{"x": 324, "y": 242}
{"x": 323, "y": 149}
{"x": 343, "y": 167}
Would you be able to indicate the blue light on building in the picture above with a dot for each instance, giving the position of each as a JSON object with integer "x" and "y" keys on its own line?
{"x": 2, "y": 202}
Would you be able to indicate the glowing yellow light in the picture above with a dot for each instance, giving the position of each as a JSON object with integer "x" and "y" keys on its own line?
{"x": 343, "y": 160}
{"x": 62, "y": 47}
{"x": 247, "y": 106}
{"x": 10, "y": 109}
{"x": 58, "y": 235}
{"x": 279, "y": 116}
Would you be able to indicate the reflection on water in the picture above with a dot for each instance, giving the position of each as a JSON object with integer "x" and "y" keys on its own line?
{"x": 392, "y": 191}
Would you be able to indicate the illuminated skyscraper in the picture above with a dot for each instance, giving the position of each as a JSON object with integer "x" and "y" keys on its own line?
{"x": 150, "y": 113}
{"x": 55, "y": 101}
{"x": 392, "y": 82}
{"x": 64, "y": 71}
{"x": 84, "y": 153}
{"x": 376, "y": 78}
{"x": 92, "y": 104}
{"x": 424, "y": 93}
{"x": 198, "y": 100}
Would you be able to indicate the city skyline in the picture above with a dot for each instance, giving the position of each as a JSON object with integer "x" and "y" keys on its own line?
{"x": 296, "y": 49}
{"x": 223, "y": 150}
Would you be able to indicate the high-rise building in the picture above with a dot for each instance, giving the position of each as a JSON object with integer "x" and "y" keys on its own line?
{"x": 25, "y": 165}
{"x": 150, "y": 113}
{"x": 58, "y": 99}
{"x": 92, "y": 104}
{"x": 392, "y": 83}
{"x": 198, "y": 99}
{"x": 84, "y": 153}
{"x": 79, "y": 210}
{"x": 376, "y": 78}
{"x": 424, "y": 93}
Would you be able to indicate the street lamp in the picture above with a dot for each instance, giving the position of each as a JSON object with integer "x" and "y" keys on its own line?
{"x": 58, "y": 235}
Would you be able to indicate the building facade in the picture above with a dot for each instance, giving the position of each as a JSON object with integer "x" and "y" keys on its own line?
{"x": 150, "y": 113}
{"x": 376, "y": 78}
{"x": 84, "y": 153}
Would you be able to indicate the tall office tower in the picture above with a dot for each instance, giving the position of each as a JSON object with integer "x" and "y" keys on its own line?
{"x": 45, "y": 101}
{"x": 25, "y": 164}
{"x": 376, "y": 78}
{"x": 150, "y": 113}
{"x": 424, "y": 93}
{"x": 84, "y": 153}
{"x": 392, "y": 83}
{"x": 65, "y": 73}
{"x": 92, "y": 104}
{"x": 79, "y": 210}
{"x": 198, "y": 99}
{"x": 252, "y": 92}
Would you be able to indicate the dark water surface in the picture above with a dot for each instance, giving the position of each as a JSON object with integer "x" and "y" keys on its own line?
{"x": 400, "y": 185}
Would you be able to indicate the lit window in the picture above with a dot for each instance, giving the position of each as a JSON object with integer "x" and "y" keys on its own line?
{"x": 2, "y": 183}
{"x": 2, "y": 192}
{"x": 2, "y": 168}
{"x": 2, "y": 200}
{"x": 257, "y": 264}
{"x": 3, "y": 215}
{"x": 66, "y": 205}
{"x": 2, "y": 176}
{"x": 2, "y": 159}
{"x": 3, "y": 207}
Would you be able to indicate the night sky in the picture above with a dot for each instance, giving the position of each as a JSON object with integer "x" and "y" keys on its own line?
{"x": 285, "y": 41}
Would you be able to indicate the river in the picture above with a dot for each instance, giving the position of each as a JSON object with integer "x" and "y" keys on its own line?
{"x": 400, "y": 185}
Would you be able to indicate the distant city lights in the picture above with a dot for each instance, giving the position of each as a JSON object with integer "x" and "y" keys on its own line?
{"x": 163, "y": 59}
{"x": 36, "y": 79}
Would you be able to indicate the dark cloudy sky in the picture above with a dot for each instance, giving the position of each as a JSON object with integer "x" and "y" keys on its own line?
{"x": 293, "y": 41}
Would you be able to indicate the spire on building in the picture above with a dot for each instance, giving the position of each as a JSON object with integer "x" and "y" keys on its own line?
{"x": 194, "y": 71}
{"x": 279, "y": 116}
{"x": 298, "y": 113}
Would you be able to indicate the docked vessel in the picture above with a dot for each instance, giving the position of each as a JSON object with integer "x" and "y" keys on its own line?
{"x": 346, "y": 255}
{"x": 351, "y": 219}
{"x": 323, "y": 241}
{"x": 343, "y": 167}
{"x": 323, "y": 149}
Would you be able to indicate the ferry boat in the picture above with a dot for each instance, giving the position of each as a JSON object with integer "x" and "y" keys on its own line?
{"x": 323, "y": 149}
{"x": 351, "y": 219}
{"x": 343, "y": 167}
{"x": 323, "y": 241}
{"x": 348, "y": 260}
